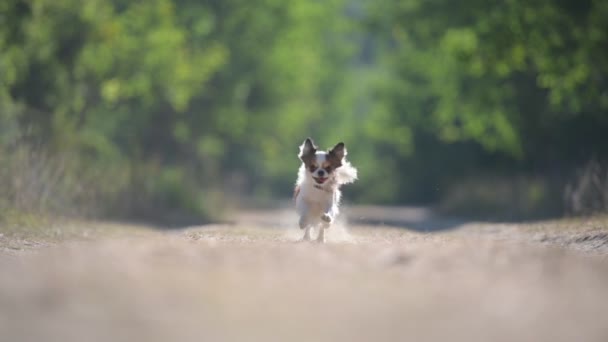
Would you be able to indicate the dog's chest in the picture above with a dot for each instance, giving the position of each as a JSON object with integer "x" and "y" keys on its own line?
{"x": 314, "y": 196}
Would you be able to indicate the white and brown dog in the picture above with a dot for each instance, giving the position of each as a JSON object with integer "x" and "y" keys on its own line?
{"x": 317, "y": 193}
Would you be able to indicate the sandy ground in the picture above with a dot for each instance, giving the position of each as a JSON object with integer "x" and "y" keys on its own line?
{"x": 390, "y": 274}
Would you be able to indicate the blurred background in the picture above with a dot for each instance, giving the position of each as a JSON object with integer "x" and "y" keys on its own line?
{"x": 175, "y": 110}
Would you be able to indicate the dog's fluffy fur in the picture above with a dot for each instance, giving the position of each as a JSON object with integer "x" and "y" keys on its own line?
{"x": 317, "y": 192}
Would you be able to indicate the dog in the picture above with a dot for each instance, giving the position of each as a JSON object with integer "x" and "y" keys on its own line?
{"x": 317, "y": 192}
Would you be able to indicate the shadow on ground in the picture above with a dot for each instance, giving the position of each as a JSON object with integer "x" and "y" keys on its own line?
{"x": 421, "y": 219}
{"x": 282, "y": 215}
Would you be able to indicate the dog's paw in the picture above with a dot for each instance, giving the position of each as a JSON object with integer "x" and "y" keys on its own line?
{"x": 326, "y": 218}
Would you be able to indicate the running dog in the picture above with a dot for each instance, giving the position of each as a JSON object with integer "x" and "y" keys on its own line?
{"x": 317, "y": 192}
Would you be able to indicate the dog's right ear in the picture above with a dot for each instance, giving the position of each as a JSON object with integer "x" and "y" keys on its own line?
{"x": 307, "y": 150}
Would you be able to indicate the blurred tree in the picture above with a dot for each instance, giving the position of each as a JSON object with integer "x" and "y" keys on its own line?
{"x": 180, "y": 95}
{"x": 175, "y": 104}
{"x": 524, "y": 81}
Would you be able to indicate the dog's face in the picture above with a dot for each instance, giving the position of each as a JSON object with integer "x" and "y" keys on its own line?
{"x": 321, "y": 164}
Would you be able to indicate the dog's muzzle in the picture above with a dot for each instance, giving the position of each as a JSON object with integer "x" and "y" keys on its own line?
{"x": 320, "y": 180}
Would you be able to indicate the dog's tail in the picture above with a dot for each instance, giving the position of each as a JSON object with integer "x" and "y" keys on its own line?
{"x": 346, "y": 173}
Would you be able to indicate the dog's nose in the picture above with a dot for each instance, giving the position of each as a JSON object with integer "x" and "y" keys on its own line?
{"x": 321, "y": 173}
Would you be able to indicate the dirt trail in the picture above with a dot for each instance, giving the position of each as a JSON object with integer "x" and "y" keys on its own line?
{"x": 443, "y": 280}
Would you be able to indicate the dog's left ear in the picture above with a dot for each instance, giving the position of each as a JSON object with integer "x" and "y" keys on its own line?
{"x": 336, "y": 154}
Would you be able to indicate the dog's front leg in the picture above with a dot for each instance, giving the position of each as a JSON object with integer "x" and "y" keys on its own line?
{"x": 306, "y": 236}
{"x": 327, "y": 219}
{"x": 304, "y": 221}
{"x": 328, "y": 216}
{"x": 305, "y": 224}
{"x": 321, "y": 236}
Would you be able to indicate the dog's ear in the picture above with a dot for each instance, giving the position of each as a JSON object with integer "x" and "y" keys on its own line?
{"x": 307, "y": 150}
{"x": 336, "y": 154}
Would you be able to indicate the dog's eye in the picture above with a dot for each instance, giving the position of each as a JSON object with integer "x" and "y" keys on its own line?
{"x": 313, "y": 168}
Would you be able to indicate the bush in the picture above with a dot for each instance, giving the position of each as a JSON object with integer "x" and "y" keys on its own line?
{"x": 38, "y": 182}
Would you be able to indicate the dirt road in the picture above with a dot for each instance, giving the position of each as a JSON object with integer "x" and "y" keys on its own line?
{"x": 375, "y": 280}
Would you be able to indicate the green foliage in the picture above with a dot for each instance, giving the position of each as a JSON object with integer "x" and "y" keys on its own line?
{"x": 181, "y": 104}
{"x": 525, "y": 81}
{"x": 181, "y": 95}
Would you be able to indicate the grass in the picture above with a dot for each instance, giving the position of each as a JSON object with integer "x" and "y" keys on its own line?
{"x": 23, "y": 231}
